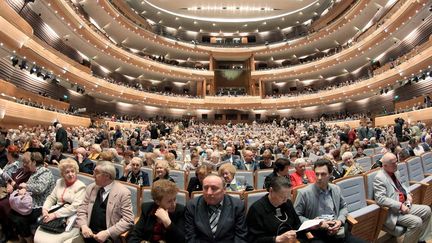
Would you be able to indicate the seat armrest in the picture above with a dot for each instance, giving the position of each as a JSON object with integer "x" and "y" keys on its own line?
{"x": 370, "y": 202}
{"x": 124, "y": 235}
{"x": 351, "y": 220}
{"x": 427, "y": 174}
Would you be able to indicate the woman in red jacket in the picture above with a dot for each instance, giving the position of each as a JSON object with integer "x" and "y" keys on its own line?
{"x": 302, "y": 175}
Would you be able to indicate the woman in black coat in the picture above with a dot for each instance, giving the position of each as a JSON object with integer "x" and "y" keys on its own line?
{"x": 161, "y": 220}
{"x": 272, "y": 218}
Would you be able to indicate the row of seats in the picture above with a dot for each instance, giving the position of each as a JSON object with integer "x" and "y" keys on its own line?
{"x": 359, "y": 194}
{"x": 140, "y": 195}
{"x": 366, "y": 218}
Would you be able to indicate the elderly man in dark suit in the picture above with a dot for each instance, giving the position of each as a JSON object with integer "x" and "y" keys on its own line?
{"x": 324, "y": 200}
{"x": 234, "y": 159}
{"x": 215, "y": 217}
{"x": 106, "y": 211}
{"x": 61, "y": 136}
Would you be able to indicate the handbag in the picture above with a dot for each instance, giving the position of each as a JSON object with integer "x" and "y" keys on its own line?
{"x": 57, "y": 225}
{"x": 22, "y": 204}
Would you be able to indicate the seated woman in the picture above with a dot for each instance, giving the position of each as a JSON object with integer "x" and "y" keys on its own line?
{"x": 281, "y": 168}
{"x": 195, "y": 183}
{"x": 233, "y": 183}
{"x": 12, "y": 165}
{"x": 37, "y": 146}
{"x": 170, "y": 157}
{"x": 193, "y": 164}
{"x": 95, "y": 151}
{"x": 161, "y": 220}
{"x": 56, "y": 153}
{"x": 349, "y": 166}
{"x": 272, "y": 218}
{"x": 133, "y": 173}
{"x": 162, "y": 171}
{"x": 22, "y": 174}
{"x": 67, "y": 190}
{"x": 301, "y": 175}
{"x": 40, "y": 184}
{"x": 266, "y": 162}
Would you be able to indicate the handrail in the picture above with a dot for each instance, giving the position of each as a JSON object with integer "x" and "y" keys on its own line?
{"x": 12, "y": 90}
{"x": 33, "y": 50}
{"x": 13, "y": 113}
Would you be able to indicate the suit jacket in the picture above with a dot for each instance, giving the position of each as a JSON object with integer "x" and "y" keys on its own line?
{"x": 231, "y": 226}
{"x": 306, "y": 203}
{"x": 143, "y": 230}
{"x": 87, "y": 166}
{"x": 119, "y": 215}
{"x": 61, "y": 137}
{"x": 236, "y": 161}
{"x": 385, "y": 194}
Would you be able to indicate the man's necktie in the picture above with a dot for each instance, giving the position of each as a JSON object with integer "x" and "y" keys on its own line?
{"x": 214, "y": 217}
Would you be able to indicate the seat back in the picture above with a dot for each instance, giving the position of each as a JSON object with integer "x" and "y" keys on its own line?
{"x": 179, "y": 177}
{"x": 252, "y": 196}
{"x": 196, "y": 194}
{"x": 403, "y": 172}
{"x": 369, "y": 151}
{"x": 182, "y": 197}
{"x": 404, "y": 144}
{"x": 376, "y": 157}
{"x": 427, "y": 162}
{"x": 415, "y": 169}
{"x": 260, "y": 176}
{"x": 353, "y": 190}
{"x": 55, "y": 171}
{"x": 369, "y": 178}
{"x": 365, "y": 162}
{"x": 85, "y": 178}
{"x": 149, "y": 172}
{"x": 235, "y": 194}
{"x": 248, "y": 175}
{"x": 120, "y": 169}
{"x": 135, "y": 197}
{"x": 146, "y": 194}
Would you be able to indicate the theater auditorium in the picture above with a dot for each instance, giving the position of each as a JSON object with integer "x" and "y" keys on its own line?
{"x": 215, "y": 121}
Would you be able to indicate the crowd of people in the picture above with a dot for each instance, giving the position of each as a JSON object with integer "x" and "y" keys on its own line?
{"x": 296, "y": 152}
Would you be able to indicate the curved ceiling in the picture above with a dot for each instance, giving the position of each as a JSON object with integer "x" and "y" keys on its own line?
{"x": 227, "y": 15}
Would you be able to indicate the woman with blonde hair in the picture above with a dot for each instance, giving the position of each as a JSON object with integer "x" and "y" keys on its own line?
{"x": 233, "y": 183}
{"x": 170, "y": 157}
{"x": 68, "y": 189}
{"x": 162, "y": 171}
{"x": 349, "y": 166}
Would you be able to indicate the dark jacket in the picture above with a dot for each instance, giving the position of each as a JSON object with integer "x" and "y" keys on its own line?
{"x": 87, "y": 166}
{"x": 61, "y": 137}
{"x": 143, "y": 230}
{"x": 231, "y": 225}
{"x": 194, "y": 185}
{"x": 263, "y": 226}
{"x": 142, "y": 179}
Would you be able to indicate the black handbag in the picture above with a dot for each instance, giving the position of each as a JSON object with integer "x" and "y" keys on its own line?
{"x": 57, "y": 225}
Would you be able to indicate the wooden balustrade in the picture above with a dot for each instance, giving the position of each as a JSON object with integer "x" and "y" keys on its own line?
{"x": 13, "y": 114}
{"x": 409, "y": 117}
{"x": 12, "y": 90}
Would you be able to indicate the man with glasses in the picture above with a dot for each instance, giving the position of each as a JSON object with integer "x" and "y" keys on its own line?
{"x": 391, "y": 193}
{"x": 106, "y": 211}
